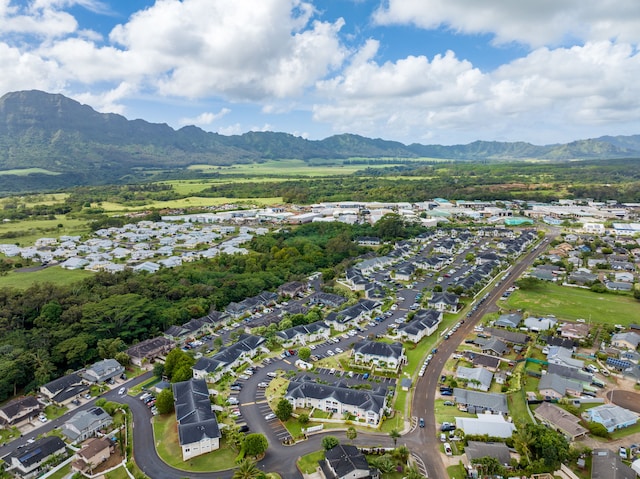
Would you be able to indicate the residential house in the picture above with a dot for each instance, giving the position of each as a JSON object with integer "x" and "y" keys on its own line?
{"x": 480, "y": 402}
{"x": 552, "y": 386}
{"x": 494, "y": 425}
{"x": 292, "y": 289}
{"x": 86, "y": 424}
{"x": 92, "y": 453}
{"x": 575, "y": 330}
{"x": 23, "y": 408}
{"x": 510, "y": 320}
{"x": 494, "y": 347}
{"x": 561, "y": 420}
{"x": 477, "y": 450}
{"x": 27, "y": 461}
{"x": 149, "y": 350}
{"x": 355, "y": 280}
{"x": 63, "y": 390}
{"x": 346, "y": 462}
{"x": 492, "y": 363}
{"x": 327, "y": 299}
{"x": 198, "y": 431}
{"x": 563, "y": 356}
{"x": 606, "y": 464}
{"x": 476, "y": 378}
{"x": 404, "y": 272}
{"x": 379, "y": 355}
{"x": 367, "y": 406}
{"x": 628, "y": 340}
{"x": 246, "y": 347}
{"x": 102, "y": 371}
{"x": 612, "y": 417}
{"x": 424, "y": 323}
{"x": 570, "y": 373}
{"x": 511, "y": 337}
{"x": 444, "y": 302}
{"x": 539, "y": 324}
{"x": 345, "y": 318}
{"x": 305, "y": 333}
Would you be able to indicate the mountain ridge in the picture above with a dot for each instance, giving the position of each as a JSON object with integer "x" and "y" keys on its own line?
{"x": 61, "y": 135}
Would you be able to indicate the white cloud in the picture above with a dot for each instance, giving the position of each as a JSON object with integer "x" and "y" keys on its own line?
{"x": 108, "y": 101}
{"x": 547, "y": 95}
{"x": 205, "y": 118}
{"x": 536, "y": 23}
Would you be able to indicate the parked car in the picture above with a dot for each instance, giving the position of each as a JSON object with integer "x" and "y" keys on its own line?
{"x": 269, "y": 416}
{"x": 263, "y": 384}
{"x": 447, "y": 426}
{"x": 447, "y": 449}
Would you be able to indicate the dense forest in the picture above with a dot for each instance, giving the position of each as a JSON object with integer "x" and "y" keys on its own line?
{"x": 48, "y": 330}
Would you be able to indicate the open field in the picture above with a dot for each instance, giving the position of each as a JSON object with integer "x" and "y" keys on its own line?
{"x": 28, "y": 171}
{"x": 35, "y": 199}
{"x": 53, "y": 274}
{"x": 26, "y": 232}
{"x": 573, "y": 303}
{"x": 289, "y": 168}
{"x": 190, "y": 202}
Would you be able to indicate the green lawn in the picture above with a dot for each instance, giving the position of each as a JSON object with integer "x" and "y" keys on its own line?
{"x": 119, "y": 473}
{"x": 573, "y": 303}
{"x": 26, "y": 232}
{"x": 518, "y": 407}
{"x": 165, "y": 434}
{"x": 309, "y": 463}
{"x": 54, "y": 274}
{"x": 28, "y": 171}
{"x": 61, "y": 473}
{"x": 456, "y": 472}
{"x": 189, "y": 202}
{"x": 396, "y": 422}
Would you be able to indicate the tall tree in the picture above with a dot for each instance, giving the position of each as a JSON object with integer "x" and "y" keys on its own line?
{"x": 394, "y": 434}
{"x": 247, "y": 469}
{"x": 351, "y": 433}
{"x": 255, "y": 444}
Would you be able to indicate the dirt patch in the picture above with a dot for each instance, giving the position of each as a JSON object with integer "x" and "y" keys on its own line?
{"x": 626, "y": 399}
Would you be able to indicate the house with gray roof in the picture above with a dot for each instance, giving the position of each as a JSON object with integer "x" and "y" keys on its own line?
{"x": 535, "y": 324}
{"x": 570, "y": 373}
{"x": 63, "y": 390}
{"x": 476, "y": 378}
{"x": 243, "y": 350}
{"x": 20, "y": 409}
{"x": 27, "y": 461}
{"x": 86, "y": 424}
{"x": 102, "y": 371}
{"x": 628, "y": 340}
{"x": 492, "y": 363}
{"x": 563, "y": 356}
{"x": 494, "y": 347}
{"x": 347, "y": 317}
{"x": 479, "y": 402}
{"x": 150, "y": 349}
{"x": 366, "y": 405}
{"x": 561, "y": 420}
{"x": 347, "y": 462}
{"x": 477, "y": 450}
{"x": 511, "y": 337}
{"x": 444, "y": 301}
{"x": 509, "y": 320}
{"x": 305, "y": 333}
{"x": 424, "y": 323}
{"x": 552, "y": 386}
{"x": 379, "y": 355}
{"x": 198, "y": 431}
{"x": 606, "y": 464}
{"x": 611, "y": 416}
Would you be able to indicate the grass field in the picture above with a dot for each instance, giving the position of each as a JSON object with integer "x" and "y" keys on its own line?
{"x": 26, "y": 232}
{"x": 54, "y": 274}
{"x": 309, "y": 463}
{"x": 573, "y": 303}
{"x": 190, "y": 202}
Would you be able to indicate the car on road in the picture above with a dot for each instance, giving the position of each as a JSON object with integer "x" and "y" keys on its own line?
{"x": 421, "y": 422}
{"x": 122, "y": 390}
{"x": 269, "y": 416}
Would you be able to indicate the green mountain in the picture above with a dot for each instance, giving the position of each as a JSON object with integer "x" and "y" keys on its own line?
{"x": 67, "y": 143}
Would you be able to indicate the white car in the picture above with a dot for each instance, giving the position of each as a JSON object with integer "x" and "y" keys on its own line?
{"x": 122, "y": 390}
{"x": 338, "y": 350}
{"x": 330, "y": 353}
{"x": 269, "y": 417}
{"x": 43, "y": 418}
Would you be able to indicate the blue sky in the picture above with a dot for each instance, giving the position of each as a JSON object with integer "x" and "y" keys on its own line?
{"x": 426, "y": 71}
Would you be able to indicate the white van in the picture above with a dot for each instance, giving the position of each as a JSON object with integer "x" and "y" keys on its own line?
{"x": 272, "y": 374}
{"x": 593, "y": 369}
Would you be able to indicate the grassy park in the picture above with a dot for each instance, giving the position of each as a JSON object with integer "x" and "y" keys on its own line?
{"x": 568, "y": 303}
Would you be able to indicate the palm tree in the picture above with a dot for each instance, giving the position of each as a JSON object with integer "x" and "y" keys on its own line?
{"x": 247, "y": 469}
{"x": 394, "y": 434}
{"x": 401, "y": 454}
{"x": 412, "y": 472}
{"x": 523, "y": 441}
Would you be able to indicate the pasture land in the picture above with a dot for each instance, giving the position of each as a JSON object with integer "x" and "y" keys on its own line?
{"x": 25, "y": 232}
{"x": 190, "y": 202}
{"x": 53, "y": 274}
{"x": 572, "y": 303}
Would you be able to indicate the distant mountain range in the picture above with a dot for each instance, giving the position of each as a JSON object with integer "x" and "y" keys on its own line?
{"x": 67, "y": 144}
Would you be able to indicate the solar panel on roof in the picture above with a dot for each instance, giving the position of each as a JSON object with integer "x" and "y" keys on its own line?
{"x": 30, "y": 455}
